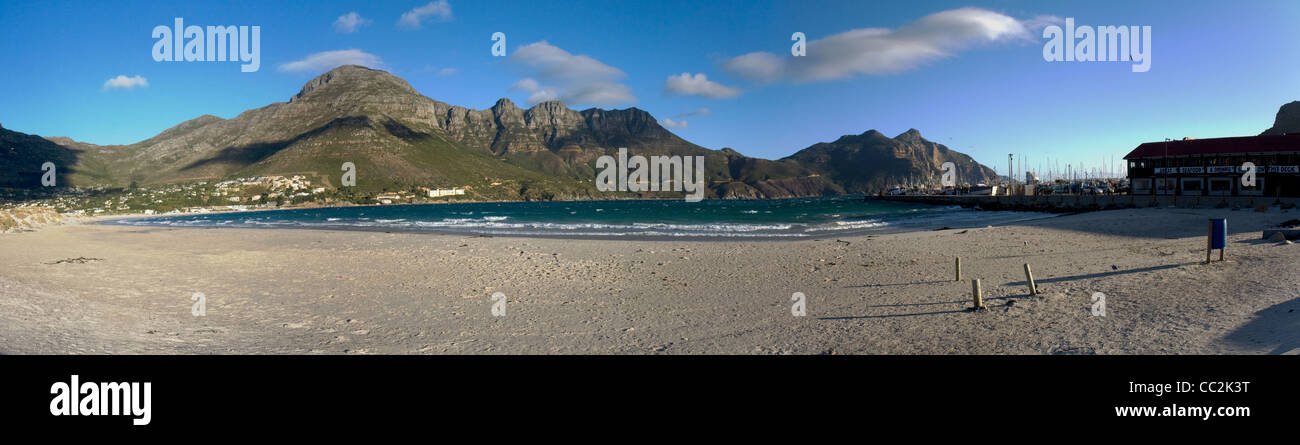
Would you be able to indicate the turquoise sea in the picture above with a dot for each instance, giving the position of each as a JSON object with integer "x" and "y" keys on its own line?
{"x": 771, "y": 219}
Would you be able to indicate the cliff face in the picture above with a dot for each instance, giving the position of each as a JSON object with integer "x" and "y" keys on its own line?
{"x": 1287, "y": 120}
{"x": 398, "y": 137}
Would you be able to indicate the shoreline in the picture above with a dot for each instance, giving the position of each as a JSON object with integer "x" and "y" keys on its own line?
{"x": 887, "y": 229}
{"x": 95, "y": 289}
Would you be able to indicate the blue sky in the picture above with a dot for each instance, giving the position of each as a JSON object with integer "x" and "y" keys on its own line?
{"x": 1217, "y": 68}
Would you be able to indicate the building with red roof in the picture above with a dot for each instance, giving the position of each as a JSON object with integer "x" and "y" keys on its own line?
{"x": 1215, "y": 167}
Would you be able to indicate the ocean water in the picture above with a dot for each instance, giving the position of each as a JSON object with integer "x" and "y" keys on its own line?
{"x": 757, "y": 219}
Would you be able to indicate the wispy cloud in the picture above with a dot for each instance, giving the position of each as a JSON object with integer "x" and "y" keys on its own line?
{"x": 669, "y": 123}
{"x": 555, "y": 74}
{"x": 325, "y": 60}
{"x": 685, "y": 84}
{"x": 680, "y": 121}
{"x": 526, "y": 84}
{"x": 121, "y": 82}
{"x": 412, "y": 19}
{"x": 350, "y": 23}
{"x": 757, "y": 67}
{"x": 880, "y": 51}
{"x": 699, "y": 112}
{"x": 440, "y": 72}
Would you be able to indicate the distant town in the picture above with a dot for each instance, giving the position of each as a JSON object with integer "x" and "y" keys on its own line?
{"x": 261, "y": 192}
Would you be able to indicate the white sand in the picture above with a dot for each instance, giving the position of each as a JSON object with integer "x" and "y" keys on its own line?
{"x": 309, "y": 291}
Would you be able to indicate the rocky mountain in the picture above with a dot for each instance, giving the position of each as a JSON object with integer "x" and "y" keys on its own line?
{"x": 872, "y": 161}
{"x": 21, "y": 157}
{"x": 400, "y": 139}
{"x": 1287, "y": 120}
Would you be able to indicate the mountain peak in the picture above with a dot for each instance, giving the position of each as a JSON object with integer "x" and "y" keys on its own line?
{"x": 505, "y": 106}
{"x": 1287, "y": 120}
{"x": 550, "y": 105}
{"x": 354, "y": 77}
{"x": 910, "y": 134}
{"x": 866, "y": 134}
{"x": 872, "y": 161}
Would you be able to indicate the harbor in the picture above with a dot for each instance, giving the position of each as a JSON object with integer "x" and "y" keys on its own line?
{"x": 1085, "y": 203}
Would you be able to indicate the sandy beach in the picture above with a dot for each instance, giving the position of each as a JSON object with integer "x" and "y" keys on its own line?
{"x": 85, "y": 288}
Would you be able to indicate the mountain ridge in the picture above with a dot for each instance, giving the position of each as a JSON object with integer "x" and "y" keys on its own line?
{"x": 399, "y": 138}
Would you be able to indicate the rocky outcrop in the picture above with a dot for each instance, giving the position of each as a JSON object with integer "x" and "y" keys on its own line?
{"x": 1287, "y": 120}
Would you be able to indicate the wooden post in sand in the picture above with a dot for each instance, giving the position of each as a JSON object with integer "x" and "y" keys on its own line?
{"x": 976, "y": 294}
{"x": 958, "y": 269}
{"x": 1029, "y": 275}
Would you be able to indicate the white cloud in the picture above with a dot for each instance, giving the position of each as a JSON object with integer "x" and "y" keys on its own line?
{"x": 412, "y": 19}
{"x": 537, "y": 93}
{"x": 669, "y": 123}
{"x": 121, "y": 82}
{"x": 447, "y": 71}
{"x": 880, "y": 51}
{"x": 685, "y": 84}
{"x": 699, "y": 112}
{"x": 758, "y": 67}
{"x": 555, "y": 74}
{"x": 326, "y": 60}
{"x": 540, "y": 96}
{"x": 553, "y": 63}
{"x": 526, "y": 84}
{"x": 350, "y": 23}
{"x": 1035, "y": 25}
